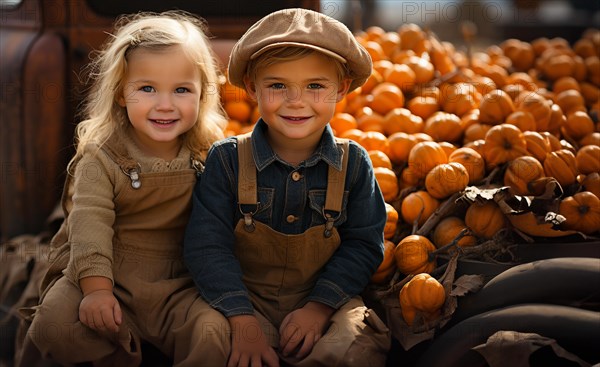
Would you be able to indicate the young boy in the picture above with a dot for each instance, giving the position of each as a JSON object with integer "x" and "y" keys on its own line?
{"x": 289, "y": 227}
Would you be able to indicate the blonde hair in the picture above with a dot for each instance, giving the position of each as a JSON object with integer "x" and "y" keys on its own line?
{"x": 283, "y": 54}
{"x": 103, "y": 115}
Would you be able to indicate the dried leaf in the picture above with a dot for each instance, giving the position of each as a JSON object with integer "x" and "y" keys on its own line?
{"x": 467, "y": 283}
{"x": 404, "y": 333}
{"x": 511, "y": 348}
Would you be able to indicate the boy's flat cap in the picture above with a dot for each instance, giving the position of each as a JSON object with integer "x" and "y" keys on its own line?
{"x": 301, "y": 28}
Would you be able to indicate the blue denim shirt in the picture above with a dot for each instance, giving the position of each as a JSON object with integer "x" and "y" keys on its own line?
{"x": 209, "y": 239}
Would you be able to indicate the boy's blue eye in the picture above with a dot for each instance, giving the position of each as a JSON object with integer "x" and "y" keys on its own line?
{"x": 315, "y": 86}
{"x": 181, "y": 90}
{"x": 147, "y": 89}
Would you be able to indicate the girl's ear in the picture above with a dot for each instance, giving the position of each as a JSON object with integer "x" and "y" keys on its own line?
{"x": 121, "y": 101}
{"x": 343, "y": 89}
{"x": 250, "y": 87}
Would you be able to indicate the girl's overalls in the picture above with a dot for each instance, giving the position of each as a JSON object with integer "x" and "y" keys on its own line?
{"x": 158, "y": 298}
{"x": 280, "y": 270}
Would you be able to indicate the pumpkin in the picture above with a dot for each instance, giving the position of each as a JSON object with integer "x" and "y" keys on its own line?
{"x": 388, "y": 183}
{"x": 557, "y": 119}
{"x": 472, "y": 161}
{"x": 524, "y": 120}
{"x": 552, "y": 140}
{"x": 582, "y": 212}
{"x": 446, "y": 179}
{"x": 388, "y": 264}
{"x": 494, "y": 107}
{"x": 561, "y": 164}
{"x": 538, "y": 106}
{"x": 423, "y": 106}
{"x": 590, "y": 139}
{"x": 401, "y": 75}
{"x": 386, "y": 97}
{"x": 443, "y": 126}
{"x": 409, "y": 179}
{"x": 475, "y": 131}
{"x": 570, "y": 101}
{"x": 391, "y": 223}
{"x": 590, "y": 183}
{"x": 588, "y": 159}
{"x": 424, "y": 156}
{"x": 400, "y": 145}
{"x": 402, "y": 120}
{"x": 419, "y": 204}
{"x": 374, "y": 140}
{"x": 424, "y": 294}
{"x": 520, "y": 53}
{"x": 503, "y": 143}
{"x": 412, "y": 255}
{"x": 379, "y": 159}
{"x": 520, "y": 172}
{"x": 537, "y": 145}
{"x": 485, "y": 219}
{"x": 578, "y": 125}
{"x": 447, "y": 230}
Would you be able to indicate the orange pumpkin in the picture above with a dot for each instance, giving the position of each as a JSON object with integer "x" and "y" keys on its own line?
{"x": 446, "y": 179}
{"x": 400, "y": 144}
{"x": 537, "y": 145}
{"x": 588, "y": 159}
{"x": 485, "y": 220}
{"x": 447, "y": 230}
{"x": 561, "y": 164}
{"x": 391, "y": 223}
{"x": 419, "y": 204}
{"x": 472, "y": 161}
{"x": 412, "y": 255}
{"x": 388, "y": 183}
{"x": 582, "y": 212}
{"x": 520, "y": 172}
{"x": 590, "y": 183}
{"x": 494, "y": 107}
{"x": 423, "y": 294}
{"x": 578, "y": 125}
{"x": 374, "y": 140}
{"x": 424, "y": 156}
{"x": 538, "y": 106}
{"x": 388, "y": 264}
{"x": 386, "y": 97}
{"x": 443, "y": 126}
{"x": 524, "y": 120}
{"x": 379, "y": 159}
{"x": 402, "y": 120}
{"x": 503, "y": 143}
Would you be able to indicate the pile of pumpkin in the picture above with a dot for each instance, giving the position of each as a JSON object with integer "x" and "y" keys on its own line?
{"x": 437, "y": 120}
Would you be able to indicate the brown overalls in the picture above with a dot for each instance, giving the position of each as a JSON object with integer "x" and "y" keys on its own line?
{"x": 280, "y": 270}
{"x": 158, "y": 298}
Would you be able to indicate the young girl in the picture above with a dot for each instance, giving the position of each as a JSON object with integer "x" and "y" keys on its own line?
{"x": 117, "y": 275}
{"x": 287, "y": 223}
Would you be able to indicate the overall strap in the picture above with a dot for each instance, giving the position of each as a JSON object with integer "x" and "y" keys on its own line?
{"x": 119, "y": 155}
{"x": 335, "y": 188}
{"x": 247, "y": 186}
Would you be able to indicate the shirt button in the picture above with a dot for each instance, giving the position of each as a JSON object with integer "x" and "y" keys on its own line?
{"x": 296, "y": 176}
{"x": 290, "y": 218}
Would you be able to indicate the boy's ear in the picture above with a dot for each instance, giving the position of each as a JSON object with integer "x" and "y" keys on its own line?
{"x": 343, "y": 89}
{"x": 250, "y": 87}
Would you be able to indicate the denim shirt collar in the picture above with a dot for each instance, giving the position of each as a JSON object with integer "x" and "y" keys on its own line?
{"x": 327, "y": 150}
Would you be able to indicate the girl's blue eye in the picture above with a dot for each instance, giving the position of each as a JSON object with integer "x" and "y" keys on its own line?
{"x": 181, "y": 90}
{"x": 147, "y": 89}
{"x": 277, "y": 86}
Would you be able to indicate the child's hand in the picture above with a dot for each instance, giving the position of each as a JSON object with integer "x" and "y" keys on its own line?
{"x": 304, "y": 325}
{"x": 100, "y": 310}
{"x": 249, "y": 345}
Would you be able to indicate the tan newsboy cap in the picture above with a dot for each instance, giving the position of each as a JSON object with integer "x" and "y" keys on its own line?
{"x": 301, "y": 28}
